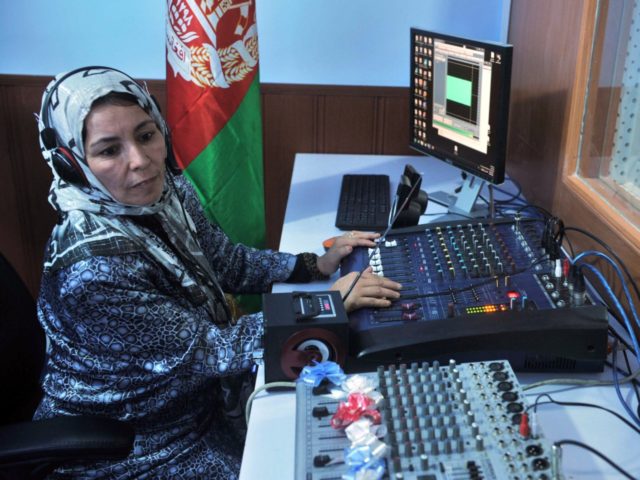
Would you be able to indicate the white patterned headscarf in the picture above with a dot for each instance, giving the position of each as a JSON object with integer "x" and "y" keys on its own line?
{"x": 68, "y": 99}
{"x": 92, "y": 221}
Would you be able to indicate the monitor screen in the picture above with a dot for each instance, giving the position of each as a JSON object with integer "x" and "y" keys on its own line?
{"x": 460, "y": 101}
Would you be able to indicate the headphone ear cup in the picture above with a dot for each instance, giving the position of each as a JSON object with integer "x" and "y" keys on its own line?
{"x": 422, "y": 198}
{"x": 67, "y": 167}
{"x": 410, "y": 216}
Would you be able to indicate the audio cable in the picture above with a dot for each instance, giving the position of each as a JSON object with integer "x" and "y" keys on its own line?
{"x": 612, "y": 295}
{"x": 611, "y": 252}
{"x": 551, "y": 400}
{"x": 259, "y": 389}
{"x": 557, "y": 454}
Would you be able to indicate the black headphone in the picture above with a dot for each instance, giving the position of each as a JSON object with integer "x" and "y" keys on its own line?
{"x": 416, "y": 204}
{"x": 64, "y": 161}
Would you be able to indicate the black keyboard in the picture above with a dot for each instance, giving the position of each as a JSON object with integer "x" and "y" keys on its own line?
{"x": 364, "y": 202}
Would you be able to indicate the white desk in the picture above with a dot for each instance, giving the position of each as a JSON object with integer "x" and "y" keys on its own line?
{"x": 310, "y": 216}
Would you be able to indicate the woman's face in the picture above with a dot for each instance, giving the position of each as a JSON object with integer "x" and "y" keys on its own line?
{"x": 126, "y": 151}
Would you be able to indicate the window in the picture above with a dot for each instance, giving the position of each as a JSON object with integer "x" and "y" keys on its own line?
{"x": 608, "y": 157}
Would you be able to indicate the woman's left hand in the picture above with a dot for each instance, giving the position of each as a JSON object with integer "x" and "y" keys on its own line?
{"x": 343, "y": 246}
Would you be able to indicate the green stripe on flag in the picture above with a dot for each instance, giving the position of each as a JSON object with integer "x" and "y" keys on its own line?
{"x": 228, "y": 174}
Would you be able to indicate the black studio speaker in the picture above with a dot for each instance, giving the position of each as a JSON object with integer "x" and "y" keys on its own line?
{"x": 300, "y": 328}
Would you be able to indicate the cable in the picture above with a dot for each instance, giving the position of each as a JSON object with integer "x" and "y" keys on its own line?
{"x": 634, "y": 383}
{"x": 581, "y": 404}
{"x": 613, "y": 254}
{"x": 247, "y": 412}
{"x": 596, "y": 382}
{"x": 595, "y": 452}
{"x": 616, "y": 383}
{"x": 616, "y": 302}
{"x": 514, "y": 196}
{"x": 545, "y": 212}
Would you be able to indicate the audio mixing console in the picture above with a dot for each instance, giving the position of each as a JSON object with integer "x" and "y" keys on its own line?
{"x": 476, "y": 290}
{"x": 456, "y": 421}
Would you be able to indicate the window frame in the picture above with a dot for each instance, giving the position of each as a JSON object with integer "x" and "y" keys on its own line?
{"x": 578, "y": 196}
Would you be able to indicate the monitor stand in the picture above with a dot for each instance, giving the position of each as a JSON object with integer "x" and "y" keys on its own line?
{"x": 463, "y": 204}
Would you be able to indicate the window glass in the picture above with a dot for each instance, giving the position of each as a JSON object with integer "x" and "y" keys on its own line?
{"x": 609, "y": 159}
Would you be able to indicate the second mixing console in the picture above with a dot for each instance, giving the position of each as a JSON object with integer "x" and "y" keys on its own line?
{"x": 441, "y": 422}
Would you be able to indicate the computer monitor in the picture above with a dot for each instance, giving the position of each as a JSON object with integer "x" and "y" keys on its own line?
{"x": 459, "y": 110}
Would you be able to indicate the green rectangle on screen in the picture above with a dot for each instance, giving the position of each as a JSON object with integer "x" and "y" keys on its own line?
{"x": 459, "y": 90}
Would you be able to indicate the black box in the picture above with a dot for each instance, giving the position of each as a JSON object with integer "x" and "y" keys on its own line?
{"x": 301, "y": 327}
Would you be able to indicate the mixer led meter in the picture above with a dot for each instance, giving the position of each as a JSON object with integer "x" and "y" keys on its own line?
{"x": 472, "y": 289}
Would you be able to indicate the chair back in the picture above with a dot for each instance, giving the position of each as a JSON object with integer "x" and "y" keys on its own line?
{"x": 22, "y": 348}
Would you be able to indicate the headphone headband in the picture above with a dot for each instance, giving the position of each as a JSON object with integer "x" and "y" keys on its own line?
{"x": 64, "y": 160}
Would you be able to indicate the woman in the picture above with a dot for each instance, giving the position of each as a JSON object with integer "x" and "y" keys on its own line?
{"x": 132, "y": 296}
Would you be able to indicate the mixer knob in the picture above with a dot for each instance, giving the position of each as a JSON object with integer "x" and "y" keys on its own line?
{"x": 479, "y": 443}
{"x": 408, "y": 449}
{"x": 434, "y": 450}
{"x": 447, "y": 448}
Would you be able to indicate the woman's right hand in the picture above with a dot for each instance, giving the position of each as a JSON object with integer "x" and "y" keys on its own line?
{"x": 370, "y": 290}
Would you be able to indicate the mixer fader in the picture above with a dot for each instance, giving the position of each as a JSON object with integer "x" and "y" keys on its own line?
{"x": 455, "y": 421}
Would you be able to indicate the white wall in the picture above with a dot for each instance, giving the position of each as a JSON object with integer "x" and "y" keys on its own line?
{"x": 362, "y": 42}
{"x": 341, "y": 42}
{"x": 44, "y": 37}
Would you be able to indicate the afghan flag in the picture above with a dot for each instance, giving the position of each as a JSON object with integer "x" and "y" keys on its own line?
{"x": 213, "y": 110}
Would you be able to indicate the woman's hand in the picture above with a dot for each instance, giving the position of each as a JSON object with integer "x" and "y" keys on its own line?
{"x": 370, "y": 290}
{"x": 343, "y": 246}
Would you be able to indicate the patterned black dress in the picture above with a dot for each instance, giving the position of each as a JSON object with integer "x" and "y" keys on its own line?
{"x": 128, "y": 341}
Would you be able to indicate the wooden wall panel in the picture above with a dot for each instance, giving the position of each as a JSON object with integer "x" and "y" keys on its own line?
{"x": 289, "y": 126}
{"x": 349, "y": 124}
{"x": 545, "y": 36}
{"x": 27, "y": 222}
{"x": 394, "y": 123}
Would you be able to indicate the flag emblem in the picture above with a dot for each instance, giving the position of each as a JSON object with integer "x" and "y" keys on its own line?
{"x": 212, "y": 43}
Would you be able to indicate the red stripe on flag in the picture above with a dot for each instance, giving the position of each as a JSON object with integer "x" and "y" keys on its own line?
{"x": 200, "y": 117}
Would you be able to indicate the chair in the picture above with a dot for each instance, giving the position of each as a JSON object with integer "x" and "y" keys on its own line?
{"x": 31, "y": 449}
